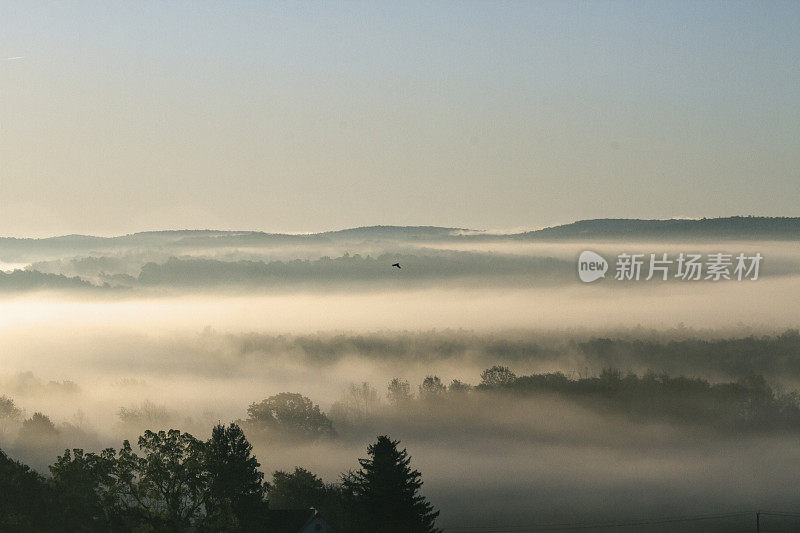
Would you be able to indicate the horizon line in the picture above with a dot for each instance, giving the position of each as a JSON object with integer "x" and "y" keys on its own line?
{"x": 467, "y": 231}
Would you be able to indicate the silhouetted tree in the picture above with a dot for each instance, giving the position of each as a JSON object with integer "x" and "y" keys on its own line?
{"x": 431, "y": 388}
{"x": 39, "y": 436}
{"x": 9, "y": 414}
{"x": 363, "y": 397}
{"x": 86, "y": 491}
{"x": 399, "y": 392}
{"x": 25, "y": 499}
{"x": 146, "y": 415}
{"x": 457, "y": 386}
{"x": 384, "y": 493}
{"x": 296, "y": 490}
{"x": 235, "y": 494}
{"x": 171, "y": 477}
{"x": 497, "y": 376}
{"x": 302, "y": 489}
{"x": 38, "y": 427}
{"x": 358, "y": 404}
{"x": 178, "y": 484}
{"x": 289, "y": 414}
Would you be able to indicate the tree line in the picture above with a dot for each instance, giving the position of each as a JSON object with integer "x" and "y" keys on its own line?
{"x": 674, "y": 352}
{"x": 745, "y": 405}
{"x": 176, "y": 482}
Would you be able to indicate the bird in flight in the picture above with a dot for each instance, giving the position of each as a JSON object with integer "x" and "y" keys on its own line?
{"x": 397, "y": 265}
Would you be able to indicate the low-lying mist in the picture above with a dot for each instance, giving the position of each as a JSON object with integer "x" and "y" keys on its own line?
{"x": 511, "y": 457}
{"x": 628, "y": 400}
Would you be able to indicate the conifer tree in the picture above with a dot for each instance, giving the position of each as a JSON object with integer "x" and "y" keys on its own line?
{"x": 236, "y": 488}
{"x": 384, "y": 493}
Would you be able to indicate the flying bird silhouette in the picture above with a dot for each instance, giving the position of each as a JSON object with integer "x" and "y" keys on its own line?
{"x": 397, "y": 265}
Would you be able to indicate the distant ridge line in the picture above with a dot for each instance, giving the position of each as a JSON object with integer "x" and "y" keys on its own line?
{"x": 722, "y": 227}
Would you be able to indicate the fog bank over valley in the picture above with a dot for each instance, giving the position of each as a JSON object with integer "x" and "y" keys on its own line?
{"x": 523, "y": 395}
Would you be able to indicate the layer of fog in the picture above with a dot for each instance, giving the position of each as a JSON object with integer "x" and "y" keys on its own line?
{"x": 193, "y": 357}
{"x": 363, "y": 264}
{"x": 505, "y": 461}
{"x": 769, "y": 302}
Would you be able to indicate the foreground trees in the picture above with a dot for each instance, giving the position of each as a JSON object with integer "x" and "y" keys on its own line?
{"x": 88, "y": 491}
{"x": 236, "y": 488}
{"x": 384, "y": 493}
{"x": 25, "y": 499}
{"x": 178, "y": 483}
{"x": 300, "y": 489}
{"x": 170, "y": 481}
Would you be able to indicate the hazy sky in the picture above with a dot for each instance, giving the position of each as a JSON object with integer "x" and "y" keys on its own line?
{"x": 308, "y": 116}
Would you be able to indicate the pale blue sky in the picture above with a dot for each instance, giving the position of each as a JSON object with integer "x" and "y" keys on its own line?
{"x": 310, "y": 116}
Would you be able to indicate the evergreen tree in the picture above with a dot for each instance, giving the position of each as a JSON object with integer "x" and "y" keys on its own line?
{"x": 384, "y": 493}
{"x": 236, "y": 488}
